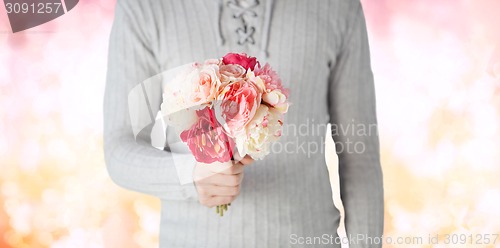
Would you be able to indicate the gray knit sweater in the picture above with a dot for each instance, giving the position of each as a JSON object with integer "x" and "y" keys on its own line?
{"x": 320, "y": 50}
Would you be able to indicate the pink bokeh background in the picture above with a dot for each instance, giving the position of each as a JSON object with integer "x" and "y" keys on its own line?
{"x": 437, "y": 73}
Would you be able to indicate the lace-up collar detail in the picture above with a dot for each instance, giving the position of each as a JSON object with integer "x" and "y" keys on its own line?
{"x": 245, "y": 12}
{"x": 242, "y": 8}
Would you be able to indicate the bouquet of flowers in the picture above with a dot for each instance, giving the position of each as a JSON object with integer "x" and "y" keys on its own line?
{"x": 226, "y": 106}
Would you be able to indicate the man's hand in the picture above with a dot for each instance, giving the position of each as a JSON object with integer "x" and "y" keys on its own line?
{"x": 219, "y": 183}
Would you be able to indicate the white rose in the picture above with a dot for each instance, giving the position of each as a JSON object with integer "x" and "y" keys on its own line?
{"x": 277, "y": 99}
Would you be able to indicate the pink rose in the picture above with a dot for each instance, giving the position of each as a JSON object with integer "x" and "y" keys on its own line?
{"x": 207, "y": 83}
{"x": 231, "y": 73}
{"x": 242, "y": 59}
{"x": 237, "y": 104}
{"x": 207, "y": 140}
{"x": 271, "y": 79}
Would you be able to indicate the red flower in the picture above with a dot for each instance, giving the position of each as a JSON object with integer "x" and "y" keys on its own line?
{"x": 207, "y": 140}
{"x": 242, "y": 59}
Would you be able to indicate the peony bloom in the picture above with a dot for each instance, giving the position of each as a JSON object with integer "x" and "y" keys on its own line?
{"x": 264, "y": 129}
{"x": 237, "y": 104}
{"x": 207, "y": 140}
{"x": 271, "y": 79}
{"x": 242, "y": 59}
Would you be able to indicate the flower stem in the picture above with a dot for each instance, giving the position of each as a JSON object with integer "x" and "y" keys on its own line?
{"x": 221, "y": 208}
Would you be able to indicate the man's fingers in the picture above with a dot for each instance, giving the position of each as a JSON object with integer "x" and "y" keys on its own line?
{"x": 216, "y": 200}
{"x": 246, "y": 160}
{"x": 219, "y": 167}
{"x": 213, "y": 190}
{"x": 218, "y": 183}
{"x": 237, "y": 168}
{"x": 228, "y": 168}
{"x": 223, "y": 180}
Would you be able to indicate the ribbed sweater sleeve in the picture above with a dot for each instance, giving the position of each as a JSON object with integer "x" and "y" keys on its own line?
{"x": 134, "y": 163}
{"x": 352, "y": 104}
